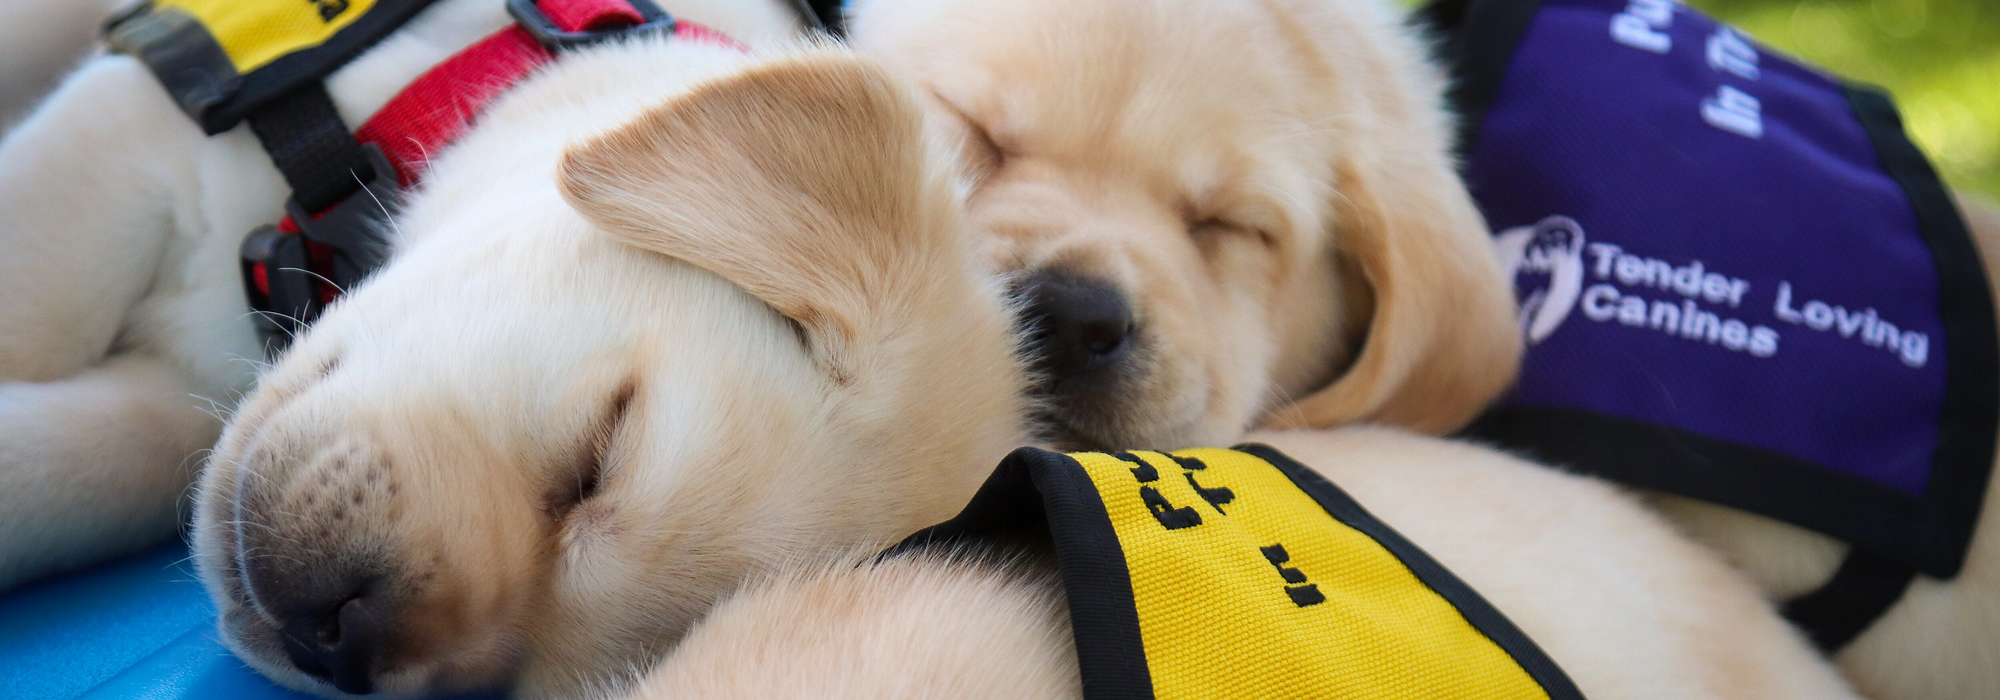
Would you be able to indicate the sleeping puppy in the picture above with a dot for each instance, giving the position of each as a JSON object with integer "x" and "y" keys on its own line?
{"x": 1216, "y": 208}
{"x": 1627, "y": 607}
{"x": 124, "y": 331}
{"x": 736, "y": 335}
{"x": 591, "y": 394}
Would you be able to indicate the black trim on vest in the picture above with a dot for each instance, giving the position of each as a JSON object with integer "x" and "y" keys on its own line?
{"x": 201, "y": 78}
{"x": 1867, "y": 514}
{"x": 1479, "y": 613}
{"x": 1477, "y": 40}
{"x": 181, "y": 53}
{"x": 1891, "y": 531}
{"x": 1841, "y": 609}
{"x": 1040, "y": 492}
{"x": 1868, "y": 583}
{"x": 1971, "y": 413}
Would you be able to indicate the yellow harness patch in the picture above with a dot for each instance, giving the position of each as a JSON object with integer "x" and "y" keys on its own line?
{"x": 1214, "y": 574}
{"x": 223, "y": 59}
{"x": 253, "y": 34}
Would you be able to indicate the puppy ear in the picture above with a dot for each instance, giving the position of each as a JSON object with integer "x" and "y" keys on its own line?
{"x": 803, "y": 181}
{"x": 1442, "y": 342}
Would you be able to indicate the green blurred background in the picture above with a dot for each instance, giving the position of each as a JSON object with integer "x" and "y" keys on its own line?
{"x": 1940, "y": 58}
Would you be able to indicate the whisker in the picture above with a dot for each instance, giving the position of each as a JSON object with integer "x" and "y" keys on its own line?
{"x": 320, "y": 277}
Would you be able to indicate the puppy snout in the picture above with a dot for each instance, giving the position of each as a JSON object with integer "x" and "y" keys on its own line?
{"x": 340, "y": 639}
{"x": 1078, "y": 329}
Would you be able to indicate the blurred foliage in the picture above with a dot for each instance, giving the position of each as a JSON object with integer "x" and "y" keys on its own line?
{"x": 1940, "y": 58}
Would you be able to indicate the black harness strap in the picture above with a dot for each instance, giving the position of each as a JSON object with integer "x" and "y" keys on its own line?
{"x": 312, "y": 146}
{"x": 823, "y": 14}
{"x": 1862, "y": 589}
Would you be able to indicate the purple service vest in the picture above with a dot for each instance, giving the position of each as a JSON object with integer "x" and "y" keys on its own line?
{"x": 1738, "y": 279}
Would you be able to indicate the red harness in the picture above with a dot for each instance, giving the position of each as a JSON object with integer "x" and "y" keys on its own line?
{"x": 291, "y": 272}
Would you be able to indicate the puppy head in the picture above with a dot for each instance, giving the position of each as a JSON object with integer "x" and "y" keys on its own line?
{"x": 590, "y": 398}
{"x": 1216, "y": 208}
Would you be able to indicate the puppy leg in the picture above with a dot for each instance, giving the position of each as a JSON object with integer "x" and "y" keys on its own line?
{"x": 91, "y": 188}
{"x": 95, "y": 189}
{"x": 916, "y": 627}
{"x": 94, "y": 465}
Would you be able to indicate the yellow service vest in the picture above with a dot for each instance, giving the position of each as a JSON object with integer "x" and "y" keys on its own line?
{"x": 1211, "y": 574}
{"x": 222, "y": 59}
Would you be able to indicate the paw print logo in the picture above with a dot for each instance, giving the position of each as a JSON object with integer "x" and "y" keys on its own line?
{"x": 1545, "y": 260}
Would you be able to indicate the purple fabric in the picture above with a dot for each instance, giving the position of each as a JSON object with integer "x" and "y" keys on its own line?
{"x": 1621, "y": 148}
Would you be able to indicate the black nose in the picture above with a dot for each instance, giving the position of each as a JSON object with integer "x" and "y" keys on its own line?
{"x": 1077, "y": 328}
{"x": 339, "y": 641}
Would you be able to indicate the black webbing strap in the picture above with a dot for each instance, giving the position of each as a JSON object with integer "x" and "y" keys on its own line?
{"x": 823, "y": 14}
{"x": 1840, "y": 610}
{"x": 312, "y": 146}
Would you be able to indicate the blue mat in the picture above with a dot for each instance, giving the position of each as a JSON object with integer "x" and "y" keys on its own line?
{"x": 140, "y": 627}
{"x": 135, "y": 628}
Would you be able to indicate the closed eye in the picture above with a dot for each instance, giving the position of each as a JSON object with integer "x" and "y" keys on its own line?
{"x": 983, "y": 154}
{"x": 1211, "y": 229}
{"x": 580, "y": 482}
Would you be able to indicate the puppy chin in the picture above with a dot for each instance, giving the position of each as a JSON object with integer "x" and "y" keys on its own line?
{"x": 1125, "y": 421}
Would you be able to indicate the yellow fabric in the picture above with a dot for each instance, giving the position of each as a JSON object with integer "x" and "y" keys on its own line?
{"x": 256, "y": 32}
{"x": 1217, "y": 620}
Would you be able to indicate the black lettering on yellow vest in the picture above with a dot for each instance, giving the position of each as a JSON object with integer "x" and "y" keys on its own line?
{"x": 1141, "y": 470}
{"x": 1216, "y": 497}
{"x": 1302, "y": 596}
{"x": 1170, "y": 516}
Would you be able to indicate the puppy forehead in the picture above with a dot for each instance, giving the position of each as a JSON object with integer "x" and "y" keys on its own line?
{"x": 1198, "y": 113}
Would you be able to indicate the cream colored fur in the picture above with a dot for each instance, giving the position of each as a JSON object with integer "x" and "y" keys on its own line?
{"x": 916, "y": 627}
{"x": 1112, "y": 137}
{"x": 1627, "y": 607}
{"x": 1266, "y": 180}
{"x": 747, "y": 317}
{"x": 124, "y": 332}
{"x": 734, "y": 327}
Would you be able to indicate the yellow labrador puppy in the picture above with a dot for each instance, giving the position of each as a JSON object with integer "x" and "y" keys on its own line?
{"x": 1627, "y": 607}
{"x": 1216, "y": 208}
{"x": 564, "y": 419}
{"x": 1219, "y": 207}
{"x": 586, "y": 400}
{"x": 124, "y": 331}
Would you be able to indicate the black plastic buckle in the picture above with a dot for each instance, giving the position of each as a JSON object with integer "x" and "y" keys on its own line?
{"x": 538, "y": 25}
{"x": 352, "y": 230}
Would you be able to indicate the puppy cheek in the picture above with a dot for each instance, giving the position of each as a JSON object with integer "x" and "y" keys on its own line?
{"x": 1233, "y": 331}
{"x": 471, "y": 597}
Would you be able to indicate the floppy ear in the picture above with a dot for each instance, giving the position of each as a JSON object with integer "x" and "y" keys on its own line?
{"x": 803, "y": 181}
{"x": 1442, "y": 342}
